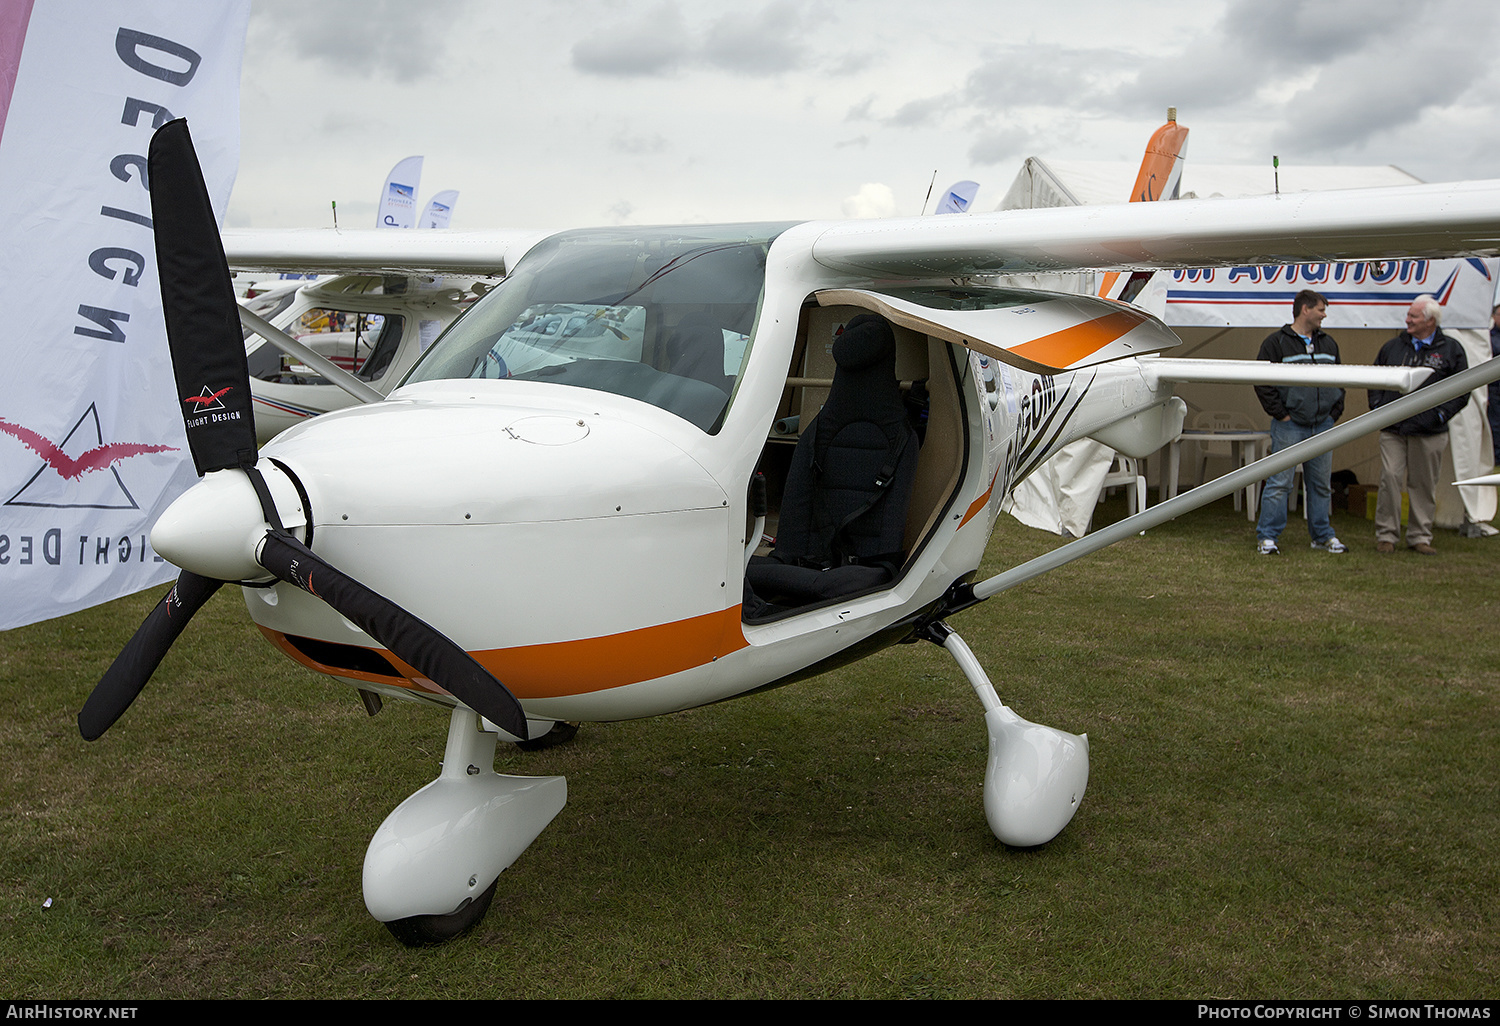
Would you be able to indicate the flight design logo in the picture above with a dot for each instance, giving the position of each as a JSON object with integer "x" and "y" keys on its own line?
{"x": 51, "y": 489}
{"x": 207, "y": 400}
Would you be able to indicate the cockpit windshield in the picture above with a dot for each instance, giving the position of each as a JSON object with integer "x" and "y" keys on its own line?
{"x": 663, "y": 315}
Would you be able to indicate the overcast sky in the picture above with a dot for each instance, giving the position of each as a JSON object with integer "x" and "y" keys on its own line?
{"x": 578, "y": 112}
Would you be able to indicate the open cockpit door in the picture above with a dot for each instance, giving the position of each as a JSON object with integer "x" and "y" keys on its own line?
{"x": 1039, "y": 332}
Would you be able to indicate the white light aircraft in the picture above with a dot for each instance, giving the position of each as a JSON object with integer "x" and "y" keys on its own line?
{"x": 554, "y": 521}
{"x": 370, "y": 325}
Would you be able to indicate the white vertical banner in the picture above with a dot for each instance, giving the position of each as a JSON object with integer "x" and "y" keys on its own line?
{"x": 398, "y": 198}
{"x": 91, "y": 438}
{"x": 957, "y": 197}
{"x": 439, "y": 212}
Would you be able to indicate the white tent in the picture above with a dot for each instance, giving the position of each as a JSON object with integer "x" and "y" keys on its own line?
{"x": 1226, "y": 313}
{"x": 1071, "y": 183}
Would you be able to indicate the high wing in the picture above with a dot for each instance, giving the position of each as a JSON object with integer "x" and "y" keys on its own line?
{"x": 412, "y": 251}
{"x": 1441, "y": 220}
{"x": 1446, "y": 219}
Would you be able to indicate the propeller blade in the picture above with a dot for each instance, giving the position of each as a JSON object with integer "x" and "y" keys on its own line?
{"x": 143, "y": 653}
{"x": 203, "y": 323}
{"x": 412, "y": 639}
{"x": 213, "y": 382}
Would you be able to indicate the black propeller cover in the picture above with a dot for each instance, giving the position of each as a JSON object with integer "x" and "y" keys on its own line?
{"x": 411, "y": 638}
{"x": 143, "y": 653}
{"x": 203, "y": 324}
{"x": 213, "y": 382}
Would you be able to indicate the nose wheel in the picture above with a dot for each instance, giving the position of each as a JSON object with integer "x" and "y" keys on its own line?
{"x": 424, "y": 931}
{"x": 432, "y": 867}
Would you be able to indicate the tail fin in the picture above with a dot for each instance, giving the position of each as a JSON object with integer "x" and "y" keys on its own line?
{"x": 1161, "y": 167}
{"x": 1159, "y": 179}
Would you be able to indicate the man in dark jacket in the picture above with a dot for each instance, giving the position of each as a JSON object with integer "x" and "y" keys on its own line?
{"x": 1298, "y": 413}
{"x": 1494, "y": 393}
{"x": 1412, "y": 451}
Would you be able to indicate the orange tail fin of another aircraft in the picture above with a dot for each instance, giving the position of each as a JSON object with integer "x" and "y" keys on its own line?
{"x": 1159, "y": 179}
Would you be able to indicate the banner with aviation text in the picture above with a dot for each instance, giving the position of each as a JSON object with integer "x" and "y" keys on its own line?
{"x": 957, "y": 197}
{"x": 398, "y": 197}
{"x": 1364, "y": 294}
{"x": 91, "y": 438}
{"x": 439, "y": 212}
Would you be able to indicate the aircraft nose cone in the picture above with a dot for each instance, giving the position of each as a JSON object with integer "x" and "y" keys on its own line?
{"x": 215, "y": 527}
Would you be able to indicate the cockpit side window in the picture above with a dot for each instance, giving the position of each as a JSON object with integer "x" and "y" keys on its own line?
{"x": 387, "y": 343}
{"x": 361, "y": 342}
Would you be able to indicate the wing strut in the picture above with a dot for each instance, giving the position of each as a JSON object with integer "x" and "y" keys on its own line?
{"x": 331, "y": 371}
{"x": 1422, "y": 399}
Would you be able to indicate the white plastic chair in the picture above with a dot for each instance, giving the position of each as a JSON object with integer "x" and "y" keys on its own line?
{"x": 1125, "y": 472}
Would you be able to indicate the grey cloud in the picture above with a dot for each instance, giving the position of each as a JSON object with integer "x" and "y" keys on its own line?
{"x": 918, "y": 113}
{"x": 854, "y": 62}
{"x": 1259, "y": 44}
{"x": 861, "y": 110}
{"x": 660, "y": 42}
{"x": 1206, "y": 79}
{"x": 1434, "y": 62}
{"x": 765, "y": 43}
{"x": 655, "y": 44}
{"x": 1351, "y": 101}
{"x": 362, "y": 38}
{"x": 1291, "y": 31}
{"x": 637, "y": 144}
{"x": 1047, "y": 74}
{"x": 999, "y": 144}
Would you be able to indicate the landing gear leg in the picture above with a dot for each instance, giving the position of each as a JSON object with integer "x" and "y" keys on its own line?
{"x": 431, "y": 868}
{"x": 1036, "y": 775}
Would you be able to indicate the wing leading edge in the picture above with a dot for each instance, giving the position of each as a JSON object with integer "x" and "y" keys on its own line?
{"x": 1442, "y": 220}
{"x": 414, "y": 251}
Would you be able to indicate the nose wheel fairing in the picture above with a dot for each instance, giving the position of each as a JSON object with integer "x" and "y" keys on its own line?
{"x": 1036, "y": 775}
{"x": 440, "y": 851}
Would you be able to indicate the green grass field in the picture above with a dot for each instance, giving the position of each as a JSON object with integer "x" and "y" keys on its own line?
{"x": 1294, "y": 793}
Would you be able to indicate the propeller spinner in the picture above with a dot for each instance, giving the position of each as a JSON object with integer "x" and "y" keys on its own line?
{"x": 208, "y": 361}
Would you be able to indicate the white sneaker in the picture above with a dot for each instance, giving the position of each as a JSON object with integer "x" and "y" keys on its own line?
{"x": 1267, "y": 547}
{"x": 1332, "y": 545}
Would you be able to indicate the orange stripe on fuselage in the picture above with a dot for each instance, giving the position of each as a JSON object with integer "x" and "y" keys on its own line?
{"x": 1064, "y": 348}
{"x": 579, "y": 667}
{"x": 979, "y": 503}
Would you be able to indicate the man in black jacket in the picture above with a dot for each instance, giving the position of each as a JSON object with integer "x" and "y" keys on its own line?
{"x": 1494, "y": 393}
{"x": 1298, "y": 413}
{"x": 1412, "y": 451}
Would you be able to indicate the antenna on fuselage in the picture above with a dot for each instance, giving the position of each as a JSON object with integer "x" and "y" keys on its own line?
{"x": 929, "y": 192}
